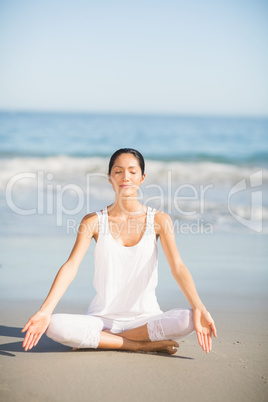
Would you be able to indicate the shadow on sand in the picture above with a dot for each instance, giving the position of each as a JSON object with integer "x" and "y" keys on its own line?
{"x": 46, "y": 345}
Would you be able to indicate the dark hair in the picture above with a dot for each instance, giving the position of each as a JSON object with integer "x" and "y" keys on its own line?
{"x": 132, "y": 151}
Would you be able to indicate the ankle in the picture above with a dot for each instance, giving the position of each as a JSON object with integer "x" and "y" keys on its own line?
{"x": 140, "y": 346}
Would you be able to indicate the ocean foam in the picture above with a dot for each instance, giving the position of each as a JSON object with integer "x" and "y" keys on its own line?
{"x": 67, "y": 169}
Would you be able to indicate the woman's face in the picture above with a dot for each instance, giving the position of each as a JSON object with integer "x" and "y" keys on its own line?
{"x": 126, "y": 175}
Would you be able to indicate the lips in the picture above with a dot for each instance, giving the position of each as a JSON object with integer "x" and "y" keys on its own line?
{"x": 125, "y": 185}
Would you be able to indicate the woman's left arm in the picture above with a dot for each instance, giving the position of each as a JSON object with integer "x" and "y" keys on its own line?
{"x": 203, "y": 322}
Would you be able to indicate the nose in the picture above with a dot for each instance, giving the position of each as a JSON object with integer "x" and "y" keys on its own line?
{"x": 126, "y": 175}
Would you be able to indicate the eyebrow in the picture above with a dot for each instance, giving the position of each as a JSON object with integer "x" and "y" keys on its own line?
{"x": 122, "y": 167}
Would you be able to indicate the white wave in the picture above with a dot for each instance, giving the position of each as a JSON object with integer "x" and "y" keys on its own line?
{"x": 63, "y": 168}
{"x": 201, "y": 172}
{"x": 67, "y": 169}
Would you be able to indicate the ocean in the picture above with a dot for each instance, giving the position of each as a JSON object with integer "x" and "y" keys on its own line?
{"x": 209, "y": 173}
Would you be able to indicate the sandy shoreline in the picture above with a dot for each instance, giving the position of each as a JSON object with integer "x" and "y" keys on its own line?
{"x": 235, "y": 370}
{"x": 230, "y": 273}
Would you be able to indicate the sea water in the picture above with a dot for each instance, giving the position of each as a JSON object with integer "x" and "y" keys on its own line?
{"x": 209, "y": 173}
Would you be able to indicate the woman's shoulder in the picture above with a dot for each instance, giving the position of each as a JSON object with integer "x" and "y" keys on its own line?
{"x": 161, "y": 215}
{"x": 161, "y": 220}
{"x": 91, "y": 222}
{"x": 92, "y": 216}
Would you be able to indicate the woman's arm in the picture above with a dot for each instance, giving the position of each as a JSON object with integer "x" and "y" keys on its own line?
{"x": 204, "y": 324}
{"x": 39, "y": 322}
{"x": 68, "y": 271}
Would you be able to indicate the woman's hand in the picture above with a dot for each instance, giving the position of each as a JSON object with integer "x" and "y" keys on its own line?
{"x": 204, "y": 327}
{"x": 35, "y": 328}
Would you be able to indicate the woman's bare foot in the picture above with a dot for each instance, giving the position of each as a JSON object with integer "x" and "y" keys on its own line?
{"x": 117, "y": 342}
{"x": 164, "y": 346}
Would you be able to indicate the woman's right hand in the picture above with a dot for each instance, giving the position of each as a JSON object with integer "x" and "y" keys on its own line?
{"x": 35, "y": 327}
{"x": 204, "y": 326}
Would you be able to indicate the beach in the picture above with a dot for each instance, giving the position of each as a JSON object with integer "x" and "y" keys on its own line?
{"x": 230, "y": 274}
{"x": 181, "y": 88}
{"x": 212, "y": 181}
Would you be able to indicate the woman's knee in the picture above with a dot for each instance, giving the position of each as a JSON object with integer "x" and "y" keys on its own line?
{"x": 176, "y": 324}
{"x": 55, "y": 330}
{"x": 75, "y": 330}
{"x": 186, "y": 322}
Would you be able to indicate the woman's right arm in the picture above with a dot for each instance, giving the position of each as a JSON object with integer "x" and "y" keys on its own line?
{"x": 38, "y": 323}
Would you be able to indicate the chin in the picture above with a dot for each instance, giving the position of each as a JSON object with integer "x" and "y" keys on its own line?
{"x": 126, "y": 188}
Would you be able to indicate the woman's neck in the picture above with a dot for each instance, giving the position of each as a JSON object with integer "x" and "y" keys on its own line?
{"x": 127, "y": 207}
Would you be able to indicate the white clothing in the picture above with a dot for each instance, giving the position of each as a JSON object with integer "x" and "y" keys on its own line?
{"x": 83, "y": 331}
{"x": 125, "y": 277}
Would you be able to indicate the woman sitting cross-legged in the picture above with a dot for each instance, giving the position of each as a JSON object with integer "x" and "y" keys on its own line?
{"x": 125, "y": 313}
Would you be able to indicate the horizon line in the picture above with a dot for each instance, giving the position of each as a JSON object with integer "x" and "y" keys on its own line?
{"x": 134, "y": 113}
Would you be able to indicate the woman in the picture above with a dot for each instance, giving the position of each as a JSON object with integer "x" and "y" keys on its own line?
{"x": 125, "y": 313}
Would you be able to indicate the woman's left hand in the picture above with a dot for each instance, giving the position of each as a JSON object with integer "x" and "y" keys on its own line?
{"x": 204, "y": 327}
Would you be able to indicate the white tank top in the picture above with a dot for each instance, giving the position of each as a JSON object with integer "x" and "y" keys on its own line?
{"x": 125, "y": 278}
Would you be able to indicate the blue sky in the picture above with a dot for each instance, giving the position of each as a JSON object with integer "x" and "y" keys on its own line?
{"x": 185, "y": 57}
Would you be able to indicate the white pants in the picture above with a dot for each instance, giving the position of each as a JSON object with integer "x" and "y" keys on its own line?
{"x": 83, "y": 331}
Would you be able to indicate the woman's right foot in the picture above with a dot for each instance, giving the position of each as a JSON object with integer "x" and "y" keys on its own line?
{"x": 164, "y": 346}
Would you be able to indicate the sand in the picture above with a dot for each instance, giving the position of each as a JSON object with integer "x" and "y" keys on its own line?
{"x": 230, "y": 273}
{"x": 235, "y": 370}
